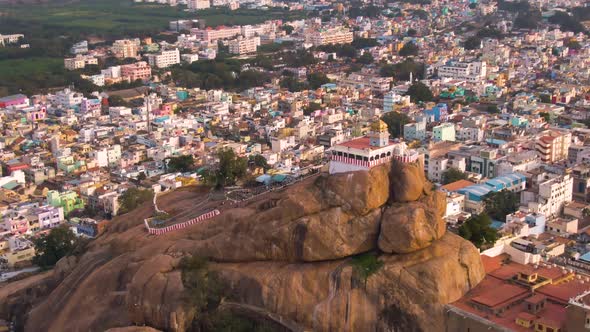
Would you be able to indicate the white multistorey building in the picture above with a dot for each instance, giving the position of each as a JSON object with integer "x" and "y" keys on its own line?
{"x": 363, "y": 153}
{"x": 336, "y": 35}
{"x": 472, "y": 72}
{"x": 244, "y": 45}
{"x": 198, "y": 4}
{"x": 10, "y": 39}
{"x": 164, "y": 59}
{"x": 553, "y": 193}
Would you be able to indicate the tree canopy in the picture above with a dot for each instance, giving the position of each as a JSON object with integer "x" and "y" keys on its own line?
{"x": 395, "y": 122}
{"x": 134, "y": 197}
{"x": 181, "y": 163}
{"x": 50, "y": 248}
{"x": 453, "y": 174}
{"x": 418, "y": 92}
{"x": 401, "y": 71}
{"x": 230, "y": 169}
{"x": 499, "y": 204}
{"x": 478, "y": 229}
{"x": 408, "y": 49}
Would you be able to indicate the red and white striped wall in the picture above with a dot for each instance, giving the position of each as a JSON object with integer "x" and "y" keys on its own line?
{"x": 164, "y": 230}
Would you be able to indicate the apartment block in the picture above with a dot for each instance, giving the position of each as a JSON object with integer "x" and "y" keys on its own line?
{"x": 212, "y": 34}
{"x": 79, "y": 62}
{"x": 136, "y": 71}
{"x": 553, "y": 145}
{"x": 337, "y": 35}
{"x": 198, "y": 4}
{"x": 244, "y": 45}
{"x": 126, "y": 48}
{"x": 164, "y": 59}
{"x": 470, "y": 71}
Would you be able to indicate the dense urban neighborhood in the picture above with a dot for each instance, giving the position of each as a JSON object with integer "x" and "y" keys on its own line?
{"x": 491, "y": 99}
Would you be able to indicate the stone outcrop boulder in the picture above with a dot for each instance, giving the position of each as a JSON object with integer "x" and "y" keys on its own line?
{"x": 412, "y": 226}
{"x": 284, "y": 255}
{"x": 408, "y": 182}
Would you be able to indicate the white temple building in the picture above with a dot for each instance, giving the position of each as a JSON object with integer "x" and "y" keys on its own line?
{"x": 376, "y": 148}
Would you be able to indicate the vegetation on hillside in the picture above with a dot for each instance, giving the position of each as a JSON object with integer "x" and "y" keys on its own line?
{"x": 452, "y": 174}
{"x": 478, "y": 229}
{"x": 60, "y": 242}
{"x": 228, "y": 171}
{"x": 134, "y": 197}
{"x": 395, "y": 122}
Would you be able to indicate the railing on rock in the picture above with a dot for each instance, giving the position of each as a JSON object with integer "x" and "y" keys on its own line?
{"x": 164, "y": 230}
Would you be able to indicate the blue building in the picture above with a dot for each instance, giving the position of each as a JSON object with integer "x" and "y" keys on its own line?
{"x": 438, "y": 113}
{"x": 475, "y": 194}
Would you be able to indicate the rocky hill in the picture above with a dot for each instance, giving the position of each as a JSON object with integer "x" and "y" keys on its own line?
{"x": 287, "y": 255}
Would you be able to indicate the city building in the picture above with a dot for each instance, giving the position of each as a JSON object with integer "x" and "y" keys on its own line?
{"x": 126, "y": 48}
{"x": 212, "y": 34}
{"x": 444, "y": 132}
{"x": 553, "y": 145}
{"x": 198, "y": 4}
{"x": 368, "y": 151}
{"x": 137, "y": 71}
{"x": 164, "y": 59}
{"x": 473, "y": 72}
{"x": 323, "y": 36}
{"x": 79, "y": 62}
{"x": 244, "y": 45}
{"x": 68, "y": 201}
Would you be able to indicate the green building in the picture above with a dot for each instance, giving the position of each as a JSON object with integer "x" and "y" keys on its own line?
{"x": 68, "y": 200}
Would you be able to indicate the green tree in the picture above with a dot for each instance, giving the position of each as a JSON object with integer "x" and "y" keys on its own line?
{"x": 546, "y": 116}
{"x": 419, "y": 92}
{"x": 360, "y": 43}
{"x": 134, "y": 197}
{"x": 478, "y": 229}
{"x": 259, "y": 161}
{"x": 366, "y": 58}
{"x": 204, "y": 289}
{"x": 230, "y": 168}
{"x": 408, "y": 49}
{"x": 472, "y": 43}
{"x": 395, "y": 122}
{"x": 499, "y": 204}
{"x": 452, "y": 174}
{"x": 401, "y": 71}
{"x": 316, "y": 80}
{"x": 181, "y": 163}
{"x": 287, "y": 28}
{"x": 50, "y": 248}
{"x": 312, "y": 107}
{"x": 493, "y": 109}
{"x": 545, "y": 98}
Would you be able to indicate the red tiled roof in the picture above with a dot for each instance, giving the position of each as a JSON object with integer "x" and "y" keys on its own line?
{"x": 492, "y": 263}
{"x": 454, "y": 186}
{"x": 359, "y": 143}
{"x": 500, "y": 296}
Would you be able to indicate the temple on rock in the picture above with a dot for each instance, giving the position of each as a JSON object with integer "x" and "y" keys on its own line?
{"x": 376, "y": 148}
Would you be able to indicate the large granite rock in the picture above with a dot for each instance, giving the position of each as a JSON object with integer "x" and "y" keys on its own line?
{"x": 408, "y": 182}
{"x": 286, "y": 254}
{"x": 410, "y": 227}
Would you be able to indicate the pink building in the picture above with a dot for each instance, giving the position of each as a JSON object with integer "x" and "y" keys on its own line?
{"x": 19, "y": 100}
{"x": 18, "y": 225}
{"x": 165, "y": 109}
{"x": 36, "y": 114}
{"x": 90, "y": 105}
{"x": 137, "y": 71}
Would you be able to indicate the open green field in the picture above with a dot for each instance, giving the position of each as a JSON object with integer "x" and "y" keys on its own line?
{"x": 52, "y": 28}
{"x": 112, "y": 18}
